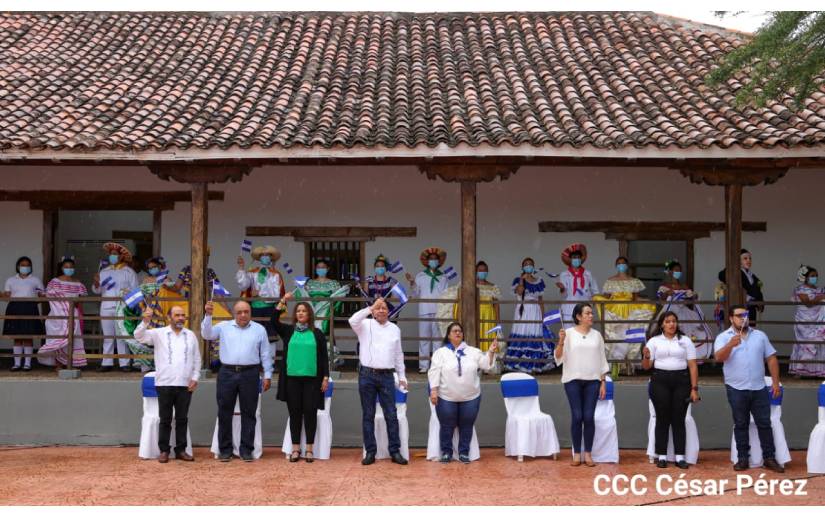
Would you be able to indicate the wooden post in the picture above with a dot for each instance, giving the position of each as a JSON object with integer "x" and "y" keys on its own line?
{"x": 733, "y": 244}
{"x": 469, "y": 290}
{"x": 157, "y": 224}
{"x": 49, "y": 230}
{"x": 197, "y": 293}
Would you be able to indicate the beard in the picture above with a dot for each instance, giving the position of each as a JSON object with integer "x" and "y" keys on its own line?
{"x": 178, "y": 325}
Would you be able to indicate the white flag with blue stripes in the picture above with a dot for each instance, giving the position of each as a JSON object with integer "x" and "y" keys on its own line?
{"x": 246, "y": 246}
{"x": 133, "y": 298}
{"x": 399, "y": 291}
{"x": 635, "y": 336}
{"x": 219, "y": 289}
{"x": 107, "y": 284}
{"x": 552, "y": 317}
{"x": 450, "y": 273}
{"x": 495, "y": 329}
{"x": 396, "y": 267}
{"x": 288, "y": 268}
{"x": 301, "y": 281}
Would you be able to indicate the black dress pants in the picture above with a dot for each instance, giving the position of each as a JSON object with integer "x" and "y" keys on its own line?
{"x": 670, "y": 393}
{"x": 170, "y": 397}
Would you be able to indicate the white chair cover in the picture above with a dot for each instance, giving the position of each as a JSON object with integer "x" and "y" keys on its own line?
{"x": 528, "y": 430}
{"x": 150, "y": 423}
{"x": 606, "y": 438}
{"x": 258, "y": 448}
{"x": 381, "y": 435}
{"x": 782, "y": 453}
{"x": 691, "y": 436}
{"x": 433, "y": 443}
{"x": 323, "y": 432}
{"x": 816, "y": 443}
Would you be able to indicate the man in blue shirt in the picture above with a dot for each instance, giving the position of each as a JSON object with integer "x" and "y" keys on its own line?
{"x": 244, "y": 350}
{"x": 744, "y": 351}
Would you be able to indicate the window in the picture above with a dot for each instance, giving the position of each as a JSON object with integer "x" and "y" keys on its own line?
{"x": 648, "y": 257}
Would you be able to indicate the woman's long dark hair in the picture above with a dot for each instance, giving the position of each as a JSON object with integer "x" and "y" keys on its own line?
{"x": 311, "y": 321}
{"x": 449, "y": 329}
{"x": 661, "y": 321}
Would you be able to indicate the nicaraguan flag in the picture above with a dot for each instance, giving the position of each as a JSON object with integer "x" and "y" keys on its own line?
{"x": 288, "y": 268}
{"x": 551, "y": 317}
{"x": 356, "y": 278}
{"x": 301, "y": 281}
{"x": 133, "y": 298}
{"x": 399, "y": 291}
{"x": 246, "y": 246}
{"x": 219, "y": 289}
{"x": 107, "y": 284}
{"x": 451, "y": 273}
{"x": 396, "y": 267}
{"x": 162, "y": 275}
{"x": 494, "y": 329}
{"x": 635, "y": 336}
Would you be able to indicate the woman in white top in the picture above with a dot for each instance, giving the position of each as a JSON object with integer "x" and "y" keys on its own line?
{"x": 455, "y": 389}
{"x": 673, "y": 384}
{"x": 23, "y": 284}
{"x": 581, "y": 351}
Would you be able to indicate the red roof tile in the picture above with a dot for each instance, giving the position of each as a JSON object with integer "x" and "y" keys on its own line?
{"x": 143, "y": 81}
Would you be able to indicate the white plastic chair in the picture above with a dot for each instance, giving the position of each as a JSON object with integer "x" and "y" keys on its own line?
{"x": 782, "y": 454}
{"x": 606, "y": 438}
{"x": 691, "y": 435}
{"x": 528, "y": 431}
{"x": 323, "y": 432}
{"x": 381, "y": 435}
{"x": 150, "y": 423}
{"x": 816, "y": 443}
{"x": 434, "y": 443}
{"x": 258, "y": 448}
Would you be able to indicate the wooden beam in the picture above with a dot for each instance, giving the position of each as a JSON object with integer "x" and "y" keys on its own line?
{"x": 49, "y": 231}
{"x": 202, "y": 172}
{"x": 751, "y": 176}
{"x": 469, "y": 288}
{"x": 462, "y": 171}
{"x": 100, "y": 200}
{"x": 157, "y": 226}
{"x": 733, "y": 244}
{"x": 197, "y": 293}
{"x": 642, "y": 227}
{"x": 332, "y": 232}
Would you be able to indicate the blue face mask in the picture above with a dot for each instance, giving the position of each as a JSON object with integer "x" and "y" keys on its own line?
{"x": 266, "y": 259}
{"x": 528, "y": 269}
{"x": 677, "y": 274}
{"x": 576, "y": 263}
{"x": 68, "y": 271}
{"x": 811, "y": 279}
{"x": 482, "y": 275}
{"x": 380, "y": 271}
{"x": 621, "y": 267}
{"x": 154, "y": 271}
{"x": 114, "y": 258}
{"x": 25, "y": 270}
{"x": 432, "y": 264}
{"x": 321, "y": 273}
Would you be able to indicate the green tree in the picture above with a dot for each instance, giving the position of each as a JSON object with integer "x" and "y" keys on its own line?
{"x": 785, "y": 56}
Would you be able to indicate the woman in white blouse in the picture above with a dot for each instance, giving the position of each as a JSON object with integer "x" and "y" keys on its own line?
{"x": 673, "y": 384}
{"x": 455, "y": 389}
{"x": 581, "y": 351}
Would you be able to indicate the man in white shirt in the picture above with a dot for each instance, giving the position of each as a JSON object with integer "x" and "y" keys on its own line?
{"x": 113, "y": 281}
{"x": 380, "y": 355}
{"x": 429, "y": 284}
{"x": 178, "y": 365}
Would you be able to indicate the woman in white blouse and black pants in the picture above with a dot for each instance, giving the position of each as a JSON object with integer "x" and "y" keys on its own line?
{"x": 673, "y": 384}
{"x": 455, "y": 389}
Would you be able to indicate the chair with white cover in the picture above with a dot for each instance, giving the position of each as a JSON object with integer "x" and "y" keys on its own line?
{"x": 691, "y": 435}
{"x": 323, "y": 432}
{"x": 434, "y": 443}
{"x": 816, "y": 443}
{"x": 381, "y": 435}
{"x": 528, "y": 431}
{"x": 782, "y": 453}
{"x": 606, "y": 438}
{"x": 150, "y": 423}
{"x": 258, "y": 448}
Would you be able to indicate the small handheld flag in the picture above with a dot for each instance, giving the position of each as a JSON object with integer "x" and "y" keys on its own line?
{"x": 399, "y": 291}
{"x": 450, "y": 273}
{"x": 108, "y": 283}
{"x": 246, "y": 246}
{"x": 219, "y": 289}
{"x": 551, "y": 317}
{"x": 288, "y": 268}
{"x": 133, "y": 298}
{"x": 162, "y": 275}
{"x": 494, "y": 329}
{"x": 635, "y": 336}
{"x": 301, "y": 281}
{"x": 396, "y": 267}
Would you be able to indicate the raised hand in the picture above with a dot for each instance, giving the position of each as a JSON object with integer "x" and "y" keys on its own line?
{"x": 209, "y": 308}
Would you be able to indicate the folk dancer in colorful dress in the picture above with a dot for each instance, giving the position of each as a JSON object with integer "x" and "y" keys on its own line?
{"x": 811, "y": 337}
{"x": 677, "y": 296}
{"x": 528, "y": 334}
{"x": 576, "y": 283}
{"x": 114, "y": 280}
{"x": 53, "y": 352}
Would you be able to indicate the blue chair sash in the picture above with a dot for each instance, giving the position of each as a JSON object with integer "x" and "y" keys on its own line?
{"x": 608, "y": 395}
{"x": 777, "y": 401}
{"x": 821, "y": 395}
{"x": 148, "y": 387}
{"x": 400, "y": 396}
{"x": 330, "y": 387}
{"x": 519, "y": 388}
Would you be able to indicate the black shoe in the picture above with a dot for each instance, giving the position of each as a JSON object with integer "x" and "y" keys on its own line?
{"x": 661, "y": 463}
{"x": 742, "y": 465}
{"x": 682, "y": 464}
{"x": 225, "y": 457}
{"x": 368, "y": 459}
{"x": 104, "y": 369}
{"x": 16, "y": 368}
{"x": 464, "y": 459}
{"x": 774, "y": 466}
{"x": 445, "y": 458}
{"x": 398, "y": 459}
{"x": 247, "y": 458}
{"x": 295, "y": 456}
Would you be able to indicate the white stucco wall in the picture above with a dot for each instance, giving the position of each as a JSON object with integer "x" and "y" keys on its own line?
{"x": 508, "y": 215}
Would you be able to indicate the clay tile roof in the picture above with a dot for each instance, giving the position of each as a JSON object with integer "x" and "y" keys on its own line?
{"x": 138, "y": 81}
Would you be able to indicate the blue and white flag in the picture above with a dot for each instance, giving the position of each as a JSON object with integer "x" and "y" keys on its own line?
{"x": 162, "y": 275}
{"x": 450, "y": 273}
{"x": 107, "y": 284}
{"x": 219, "y": 289}
{"x": 102, "y": 265}
{"x": 399, "y": 291}
{"x": 550, "y": 274}
{"x": 635, "y": 336}
{"x": 494, "y": 329}
{"x": 396, "y": 267}
{"x": 288, "y": 268}
{"x": 300, "y": 281}
{"x": 133, "y": 298}
{"x": 246, "y": 246}
{"x": 356, "y": 278}
{"x": 552, "y": 317}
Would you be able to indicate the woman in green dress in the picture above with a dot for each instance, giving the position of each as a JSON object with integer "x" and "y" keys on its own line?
{"x": 322, "y": 286}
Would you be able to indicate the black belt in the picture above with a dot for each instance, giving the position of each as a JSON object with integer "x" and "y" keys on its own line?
{"x": 239, "y": 368}
{"x": 377, "y": 371}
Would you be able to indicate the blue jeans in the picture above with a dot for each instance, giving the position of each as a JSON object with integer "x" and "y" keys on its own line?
{"x": 452, "y": 414}
{"x": 743, "y": 404}
{"x": 381, "y": 385}
{"x": 243, "y": 386}
{"x": 582, "y": 396}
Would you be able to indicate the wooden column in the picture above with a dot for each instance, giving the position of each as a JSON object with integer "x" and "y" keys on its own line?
{"x": 200, "y": 219}
{"x": 469, "y": 289}
{"x": 49, "y": 230}
{"x": 157, "y": 226}
{"x": 733, "y": 244}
